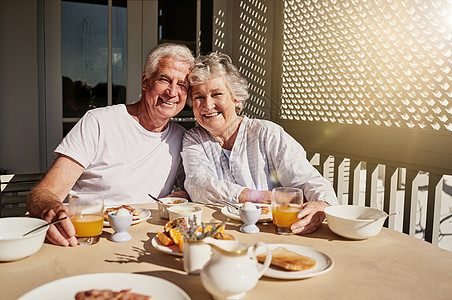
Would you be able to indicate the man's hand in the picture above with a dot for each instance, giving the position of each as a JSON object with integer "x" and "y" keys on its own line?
{"x": 62, "y": 233}
{"x": 45, "y": 200}
{"x": 311, "y": 217}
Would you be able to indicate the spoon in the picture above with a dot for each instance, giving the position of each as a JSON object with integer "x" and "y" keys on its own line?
{"x": 387, "y": 215}
{"x": 156, "y": 199}
{"x": 42, "y": 226}
{"x": 393, "y": 214}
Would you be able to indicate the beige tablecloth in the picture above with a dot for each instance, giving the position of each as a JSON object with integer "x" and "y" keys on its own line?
{"x": 391, "y": 265}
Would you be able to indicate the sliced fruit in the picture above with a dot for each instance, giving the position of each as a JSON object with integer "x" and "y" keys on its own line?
{"x": 176, "y": 235}
{"x": 209, "y": 228}
{"x": 221, "y": 229}
{"x": 181, "y": 246}
{"x": 164, "y": 239}
{"x": 206, "y": 228}
{"x": 174, "y": 223}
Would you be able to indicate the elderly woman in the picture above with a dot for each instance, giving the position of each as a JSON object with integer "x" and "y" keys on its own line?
{"x": 237, "y": 159}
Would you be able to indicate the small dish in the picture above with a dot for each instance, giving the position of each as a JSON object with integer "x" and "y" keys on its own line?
{"x": 186, "y": 211}
{"x": 169, "y": 202}
{"x": 172, "y": 249}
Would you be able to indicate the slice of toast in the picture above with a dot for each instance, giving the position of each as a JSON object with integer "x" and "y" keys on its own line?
{"x": 288, "y": 260}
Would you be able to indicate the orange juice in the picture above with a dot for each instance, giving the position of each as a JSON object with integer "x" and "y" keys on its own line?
{"x": 88, "y": 225}
{"x": 285, "y": 216}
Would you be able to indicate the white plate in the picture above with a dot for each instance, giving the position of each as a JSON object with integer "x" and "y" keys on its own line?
{"x": 145, "y": 214}
{"x": 263, "y": 218}
{"x": 324, "y": 263}
{"x": 173, "y": 249}
{"x": 66, "y": 288}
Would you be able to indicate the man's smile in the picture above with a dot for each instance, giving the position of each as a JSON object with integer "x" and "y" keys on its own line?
{"x": 168, "y": 102}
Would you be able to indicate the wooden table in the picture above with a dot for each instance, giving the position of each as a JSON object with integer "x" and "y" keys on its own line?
{"x": 391, "y": 265}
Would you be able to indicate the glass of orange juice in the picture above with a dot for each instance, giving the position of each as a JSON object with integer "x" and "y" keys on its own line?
{"x": 287, "y": 202}
{"x": 87, "y": 215}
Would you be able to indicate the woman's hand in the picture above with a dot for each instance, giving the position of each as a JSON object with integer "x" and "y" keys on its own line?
{"x": 311, "y": 217}
{"x": 62, "y": 233}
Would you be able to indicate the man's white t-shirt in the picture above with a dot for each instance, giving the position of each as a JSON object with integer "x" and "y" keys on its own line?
{"x": 123, "y": 161}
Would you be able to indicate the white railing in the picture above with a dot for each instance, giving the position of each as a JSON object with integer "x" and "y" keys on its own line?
{"x": 387, "y": 187}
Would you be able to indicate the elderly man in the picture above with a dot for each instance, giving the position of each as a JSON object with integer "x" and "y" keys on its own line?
{"x": 124, "y": 152}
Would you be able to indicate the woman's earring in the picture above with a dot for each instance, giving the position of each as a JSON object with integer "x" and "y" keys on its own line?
{"x": 238, "y": 108}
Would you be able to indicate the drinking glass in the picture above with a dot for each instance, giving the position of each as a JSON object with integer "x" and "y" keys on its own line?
{"x": 87, "y": 215}
{"x": 287, "y": 202}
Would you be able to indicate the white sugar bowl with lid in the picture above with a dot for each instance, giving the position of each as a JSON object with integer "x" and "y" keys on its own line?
{"x": 187, "y": 211}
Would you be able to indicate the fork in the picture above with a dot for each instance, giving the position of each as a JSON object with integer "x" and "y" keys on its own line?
{"x": 233, "y": 210}
{"x": 231, "y": 207}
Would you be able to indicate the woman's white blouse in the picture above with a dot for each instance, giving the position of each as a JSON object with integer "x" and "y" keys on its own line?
{"x": 264, "y": 156}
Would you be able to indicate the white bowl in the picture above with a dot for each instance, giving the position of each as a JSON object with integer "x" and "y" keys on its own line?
{"x": 168, "y": 202}
{"x": 12, "y": 245}
{"x": 355, "y": 222}
{"x": 186, "y": 211}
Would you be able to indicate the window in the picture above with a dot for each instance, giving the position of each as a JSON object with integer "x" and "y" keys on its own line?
{"x": 87, "y": 56}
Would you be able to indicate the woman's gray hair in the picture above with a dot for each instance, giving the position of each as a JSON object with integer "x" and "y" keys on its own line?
{"x": 175, "y": 51}
{"x": 219, "y": 64}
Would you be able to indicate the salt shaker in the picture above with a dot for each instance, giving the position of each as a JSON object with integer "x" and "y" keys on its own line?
{"x": 120, "y": 222}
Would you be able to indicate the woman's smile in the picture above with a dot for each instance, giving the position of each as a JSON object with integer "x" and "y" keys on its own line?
{"x": 211, "y": 115}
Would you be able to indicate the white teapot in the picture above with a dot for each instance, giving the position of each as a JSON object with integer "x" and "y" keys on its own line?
{"x": 233, "y": 269}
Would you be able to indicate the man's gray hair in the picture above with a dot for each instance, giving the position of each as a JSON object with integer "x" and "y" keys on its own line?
{"x": 174, "y": 51}
{"x": 218, "y": 64}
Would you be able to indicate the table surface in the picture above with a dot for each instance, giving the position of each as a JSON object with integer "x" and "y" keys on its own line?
{"x": 391, "y": 265}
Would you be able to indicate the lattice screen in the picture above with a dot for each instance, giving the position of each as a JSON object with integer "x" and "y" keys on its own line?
{"x": 219, "y": 34}
{"x": 253, "y": 48}
{"x": 382, "y": 63}
{"x": 251, "y": 34}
